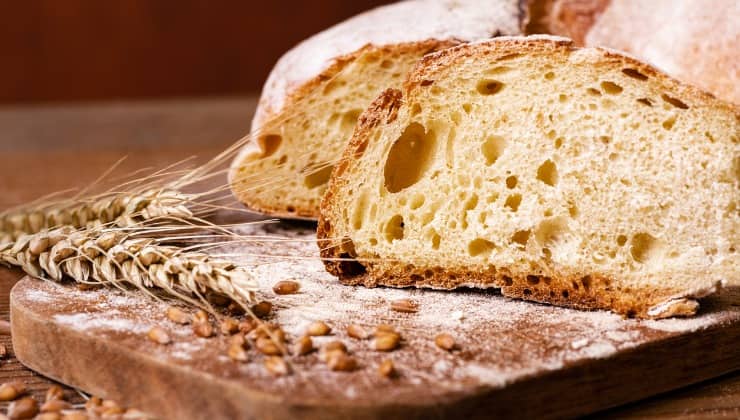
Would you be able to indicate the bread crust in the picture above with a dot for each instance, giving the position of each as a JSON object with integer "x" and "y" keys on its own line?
{"x": 695, "y": 41}
{"x": 589, "y": 291}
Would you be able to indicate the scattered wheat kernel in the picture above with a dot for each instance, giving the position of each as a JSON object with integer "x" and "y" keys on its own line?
{"x": 229, "y": 326}
{"x": 318, "y": 328}
{"x": 237, "y": 353}
{"x": 335, "y": 345}
{"x": 339, "y": 361}
{"x": 55, "y": 405}
{"x": 445, "y": 341}
{"x": 386, "y": 368}
{"x": 177, "y": 315}
{"x": 238, "y": 340}
{"x": 405, "y": 305}
{"x": 200, "y": 316}
{"x": 203, "y": 329}
{"x": 246, "y": 326}
{"x": 262, "y": 309}
{"x": 277, "y": 366}
{"x": 11, "y": 390}
{"x": 286, "y": 287}
{"x": 387, "y": 341}
{"x": 25, "y": 408}
{"x": 267, "y": 347}
{"x": 159, "y": 336}
{"x": 303, "y": 346}
{"x": 356, "y": 331}
{"x": 55, "y": 392}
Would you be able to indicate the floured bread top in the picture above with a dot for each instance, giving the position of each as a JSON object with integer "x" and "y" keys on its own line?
{"x": 406, "y": 21}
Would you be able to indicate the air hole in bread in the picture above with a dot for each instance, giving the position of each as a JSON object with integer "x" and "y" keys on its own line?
{"x": 489, "y": 87}
{"x": 417, "y": 201}
{"x": 386, "y": 64}
{"x": 415, "y": 110}
{"x": 645, "y": 101}
{"x": 435, "y": 238}
{"x": 513, "y": 201}
{"x": 358, "y": 217}
{"x": 480, "y": 247}
{"x": 586, "y": 282}
{"x": 669, "y": 123}
{"x": 269, "y": 144}
{"x": 349, "y": 119}
{"x": 282, "y": 160}
{"x": 645, "y": 247}
{"x": 511, "y": 182}
{"x": 562, "y": 97}
{"x": 611, "y": 88}
{"x": 409, "y": 157}
{"x": 394, "y": 228}
{"x": 709, "y": 136}
{"x": 558, "y": 142}
{"x": 319, "y": 175}
{"x": 552, "y": 233}
{"x": 548, "y": 173}
{"x": 521, "y": 237}
{"x": 533, "y": 280}
{"x": 573, "y": 211}
{"x": 674, "y": 101}
{"x": 497, "y": 70}
{"x": 549, "y": 75}
{"x": 493, "y": 148}
{"x": 634, "y": 74}
{"x": 593, "y": 91}
{"x": 621, "y": 240}
{"x": 467, "y": 108}
{"x": 605, "y": 139}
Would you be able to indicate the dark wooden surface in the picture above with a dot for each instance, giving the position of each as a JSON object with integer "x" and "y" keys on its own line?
{"x": 87, "y": 49}
{"x": 47, "y": 149}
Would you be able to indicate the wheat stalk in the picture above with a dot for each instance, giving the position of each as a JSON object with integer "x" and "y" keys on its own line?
{"x": 111, "y": 257}
{"x": 122, "y": 210}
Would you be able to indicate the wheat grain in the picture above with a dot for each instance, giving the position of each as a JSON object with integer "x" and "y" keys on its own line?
{"x": 121, "y": 210}
{"x": 111, "y": 257}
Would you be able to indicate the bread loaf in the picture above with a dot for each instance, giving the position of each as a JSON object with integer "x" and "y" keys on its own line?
{"x": 312, "y": 98}
{"x": 696, "y": 41}
{"x": 577, "y": 177}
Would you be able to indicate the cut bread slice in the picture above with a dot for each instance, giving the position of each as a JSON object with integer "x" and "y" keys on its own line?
{"x": 312, "y": 98}
{"x": 695, "y": 41}
{"x": 577, "y": 177}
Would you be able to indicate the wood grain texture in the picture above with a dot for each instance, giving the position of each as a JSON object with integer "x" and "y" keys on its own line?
{"x": 38, "y": 156}
{"x": 85, "y": 49}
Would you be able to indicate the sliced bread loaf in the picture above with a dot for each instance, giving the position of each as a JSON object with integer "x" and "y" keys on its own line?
{"x": 312, "y": 98}
{"x": 696, "y": 41}
{"x": 577, "y": 177}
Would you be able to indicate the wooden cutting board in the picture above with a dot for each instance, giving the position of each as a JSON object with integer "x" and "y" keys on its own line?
{"x": 516, "y": 359}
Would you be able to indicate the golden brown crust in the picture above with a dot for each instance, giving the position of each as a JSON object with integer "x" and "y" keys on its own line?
{"x": 569, "y": 18}
{"x": 290, "y": 210}
{"x": 589, "y": 291}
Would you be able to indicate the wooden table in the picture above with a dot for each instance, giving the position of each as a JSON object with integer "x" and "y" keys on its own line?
{"x": 51, "y": 148}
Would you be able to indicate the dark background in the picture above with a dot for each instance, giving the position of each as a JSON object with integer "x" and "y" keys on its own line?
{"x": 78, "y": 50}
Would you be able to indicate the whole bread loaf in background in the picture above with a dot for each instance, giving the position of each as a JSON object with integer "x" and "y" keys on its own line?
{"x": 696, "y": 41}
{"x": 577, "y": 177}
{"x": 312, "y": 98}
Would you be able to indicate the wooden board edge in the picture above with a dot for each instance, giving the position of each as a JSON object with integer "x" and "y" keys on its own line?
{"x": 82, "y": 361}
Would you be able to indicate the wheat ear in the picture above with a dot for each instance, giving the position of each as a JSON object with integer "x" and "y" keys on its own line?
{"x": 122, "y": 210}
{"x": 110, "y": 257}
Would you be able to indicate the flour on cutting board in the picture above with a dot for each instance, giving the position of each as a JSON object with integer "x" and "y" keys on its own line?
{"x": 500, "y": 340}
